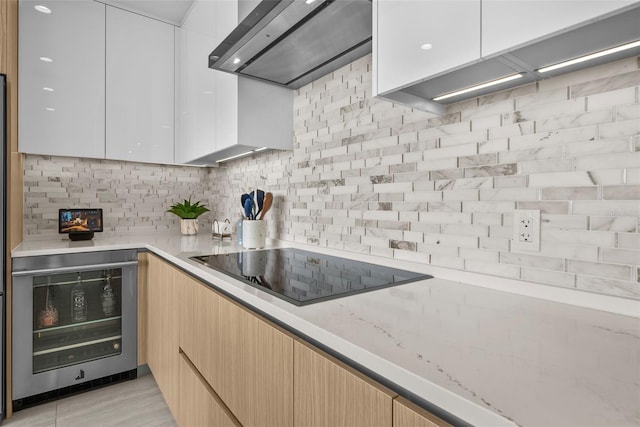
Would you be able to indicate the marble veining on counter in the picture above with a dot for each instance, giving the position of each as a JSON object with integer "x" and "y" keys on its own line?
{"x": 488, "y": 357}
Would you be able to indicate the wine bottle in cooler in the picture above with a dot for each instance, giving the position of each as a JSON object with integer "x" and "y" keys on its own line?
{"x": 78, "y": 302}
{"x": 48, "y": 316}
{"x": 108, "y": 298}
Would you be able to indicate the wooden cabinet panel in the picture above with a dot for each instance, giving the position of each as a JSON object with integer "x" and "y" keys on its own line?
{"x": 329, "y": 393}
{"x": 246, "y": 360}
{"x": 143, "y": 271}
{"x": 162, "y": 329}
{"x": 219, "y": 364}
{"x": 198, "y": 405}
{"x": 408, "y": 414}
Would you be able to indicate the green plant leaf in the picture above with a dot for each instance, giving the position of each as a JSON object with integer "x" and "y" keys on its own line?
{"x": 188, "y": 210}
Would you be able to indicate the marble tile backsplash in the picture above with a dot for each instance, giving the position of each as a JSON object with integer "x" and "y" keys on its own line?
{"x": 370, "y": 176}
{"x": 134, "y": 196}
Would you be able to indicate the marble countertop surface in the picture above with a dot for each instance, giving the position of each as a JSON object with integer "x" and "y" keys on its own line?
{"x": 458, "y": 341}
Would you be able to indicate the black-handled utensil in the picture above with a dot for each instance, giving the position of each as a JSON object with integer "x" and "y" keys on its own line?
{"x": 248, "y": 209}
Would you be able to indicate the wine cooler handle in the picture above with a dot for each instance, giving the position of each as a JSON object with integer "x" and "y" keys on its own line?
{"x": 59, "y": 270}
{"x": 81, "y": 376}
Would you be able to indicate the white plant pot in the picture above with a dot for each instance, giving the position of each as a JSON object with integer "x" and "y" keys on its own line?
{"x": 254, "y": 233}
{"x": 188, "y": 226}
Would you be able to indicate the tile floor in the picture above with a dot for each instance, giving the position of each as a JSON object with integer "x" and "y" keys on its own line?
{"x": 135, "y": 403}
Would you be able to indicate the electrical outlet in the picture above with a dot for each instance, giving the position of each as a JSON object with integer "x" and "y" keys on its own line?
{"x": 526, "y": 230}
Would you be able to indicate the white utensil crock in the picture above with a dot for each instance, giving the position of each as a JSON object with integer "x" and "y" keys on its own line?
{"x": 254, "y": 233}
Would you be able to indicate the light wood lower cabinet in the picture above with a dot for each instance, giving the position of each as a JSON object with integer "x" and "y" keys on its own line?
{"x": 245, "y": 359}
{"x": 199, "y": 406}
{"x": 408, "y": 414}
{"x": 219, "y": 364}
{"x": 329, "y": 393}
{"x": 143, "y": 270}
{"x": 162, "y": 329}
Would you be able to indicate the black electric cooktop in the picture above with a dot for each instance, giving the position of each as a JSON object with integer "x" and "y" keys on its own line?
{"x": 302, "y": 277}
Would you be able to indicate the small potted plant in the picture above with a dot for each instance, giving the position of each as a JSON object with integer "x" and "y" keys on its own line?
{"x": 188, "y": 213}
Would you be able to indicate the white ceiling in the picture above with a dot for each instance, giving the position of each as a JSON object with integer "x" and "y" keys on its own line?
{"x": 171, "y": 11}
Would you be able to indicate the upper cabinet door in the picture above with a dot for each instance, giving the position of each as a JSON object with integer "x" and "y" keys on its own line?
{"x": 510, "y": 23}
{"x": 226, "y": 16}
{"x": 61, "y": 78}
{"x": 452, "y": 28}
{"x": 208, "y": 106}
{"x": 139, "y": 88}
{"x": 197, "y": 97}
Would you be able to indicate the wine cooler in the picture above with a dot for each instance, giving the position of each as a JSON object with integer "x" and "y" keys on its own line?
{"x": 74, "y": 319}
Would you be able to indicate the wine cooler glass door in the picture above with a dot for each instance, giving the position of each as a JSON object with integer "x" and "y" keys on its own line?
{"x": 73, "y": 324}
{"x": 76, "y": 318}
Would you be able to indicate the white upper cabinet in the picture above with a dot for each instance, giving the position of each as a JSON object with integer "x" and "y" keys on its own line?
{"x": 225, "y": 18}
{"x": 207, "y": 106}
{"x": 452, "y": 28}
{"x": 61, "y": 78}
{"x": 139, "y": 88}
{"x": 219, "y": 114}
{"x": 510, "y": 23}
{"x": 197, "y": 101}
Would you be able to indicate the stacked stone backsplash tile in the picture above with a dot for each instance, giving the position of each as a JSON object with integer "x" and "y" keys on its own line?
{"x": 369, "y": 176}
{"x": 134, "y": 196}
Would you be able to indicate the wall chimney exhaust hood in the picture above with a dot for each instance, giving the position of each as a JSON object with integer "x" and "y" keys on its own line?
{"x": 525, "y": 64}
{"x": 294, "y": 42}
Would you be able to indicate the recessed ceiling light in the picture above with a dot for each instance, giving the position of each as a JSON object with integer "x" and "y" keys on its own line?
{"x": 50, "y": 109}
{"x": 48, "y": 89}
{"x": 45, "y": 59}
{"x": 309, "y": 1}
{"x": 426, "y": 46}
{"x": 43, "y": 9}
{"x": 478, "y": 87}
{"x": 590, "y": 56}
{"x": 236, "y": 60}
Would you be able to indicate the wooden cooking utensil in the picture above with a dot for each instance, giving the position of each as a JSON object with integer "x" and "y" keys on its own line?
{"x": 266, "y": 204}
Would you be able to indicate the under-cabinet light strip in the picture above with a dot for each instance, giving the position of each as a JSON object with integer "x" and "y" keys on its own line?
{"x": 478, "y": 87}
{"x": 590, "y": 57}
{"x": 241, "y": 154}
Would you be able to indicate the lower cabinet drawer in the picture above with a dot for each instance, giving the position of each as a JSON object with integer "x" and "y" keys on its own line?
{"x": 328, "y": 393}
{"x": 407, "y": 414}
{"x": 198, "y": 405}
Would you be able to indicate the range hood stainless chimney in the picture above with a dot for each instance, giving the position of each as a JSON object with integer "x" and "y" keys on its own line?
{"x": 294, "y": 42}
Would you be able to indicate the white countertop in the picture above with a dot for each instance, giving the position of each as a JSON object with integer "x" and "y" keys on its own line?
{"x": 489, "y": 357}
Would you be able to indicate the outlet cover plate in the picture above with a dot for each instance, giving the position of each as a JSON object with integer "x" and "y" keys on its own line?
{"x": 526, "y": 230}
